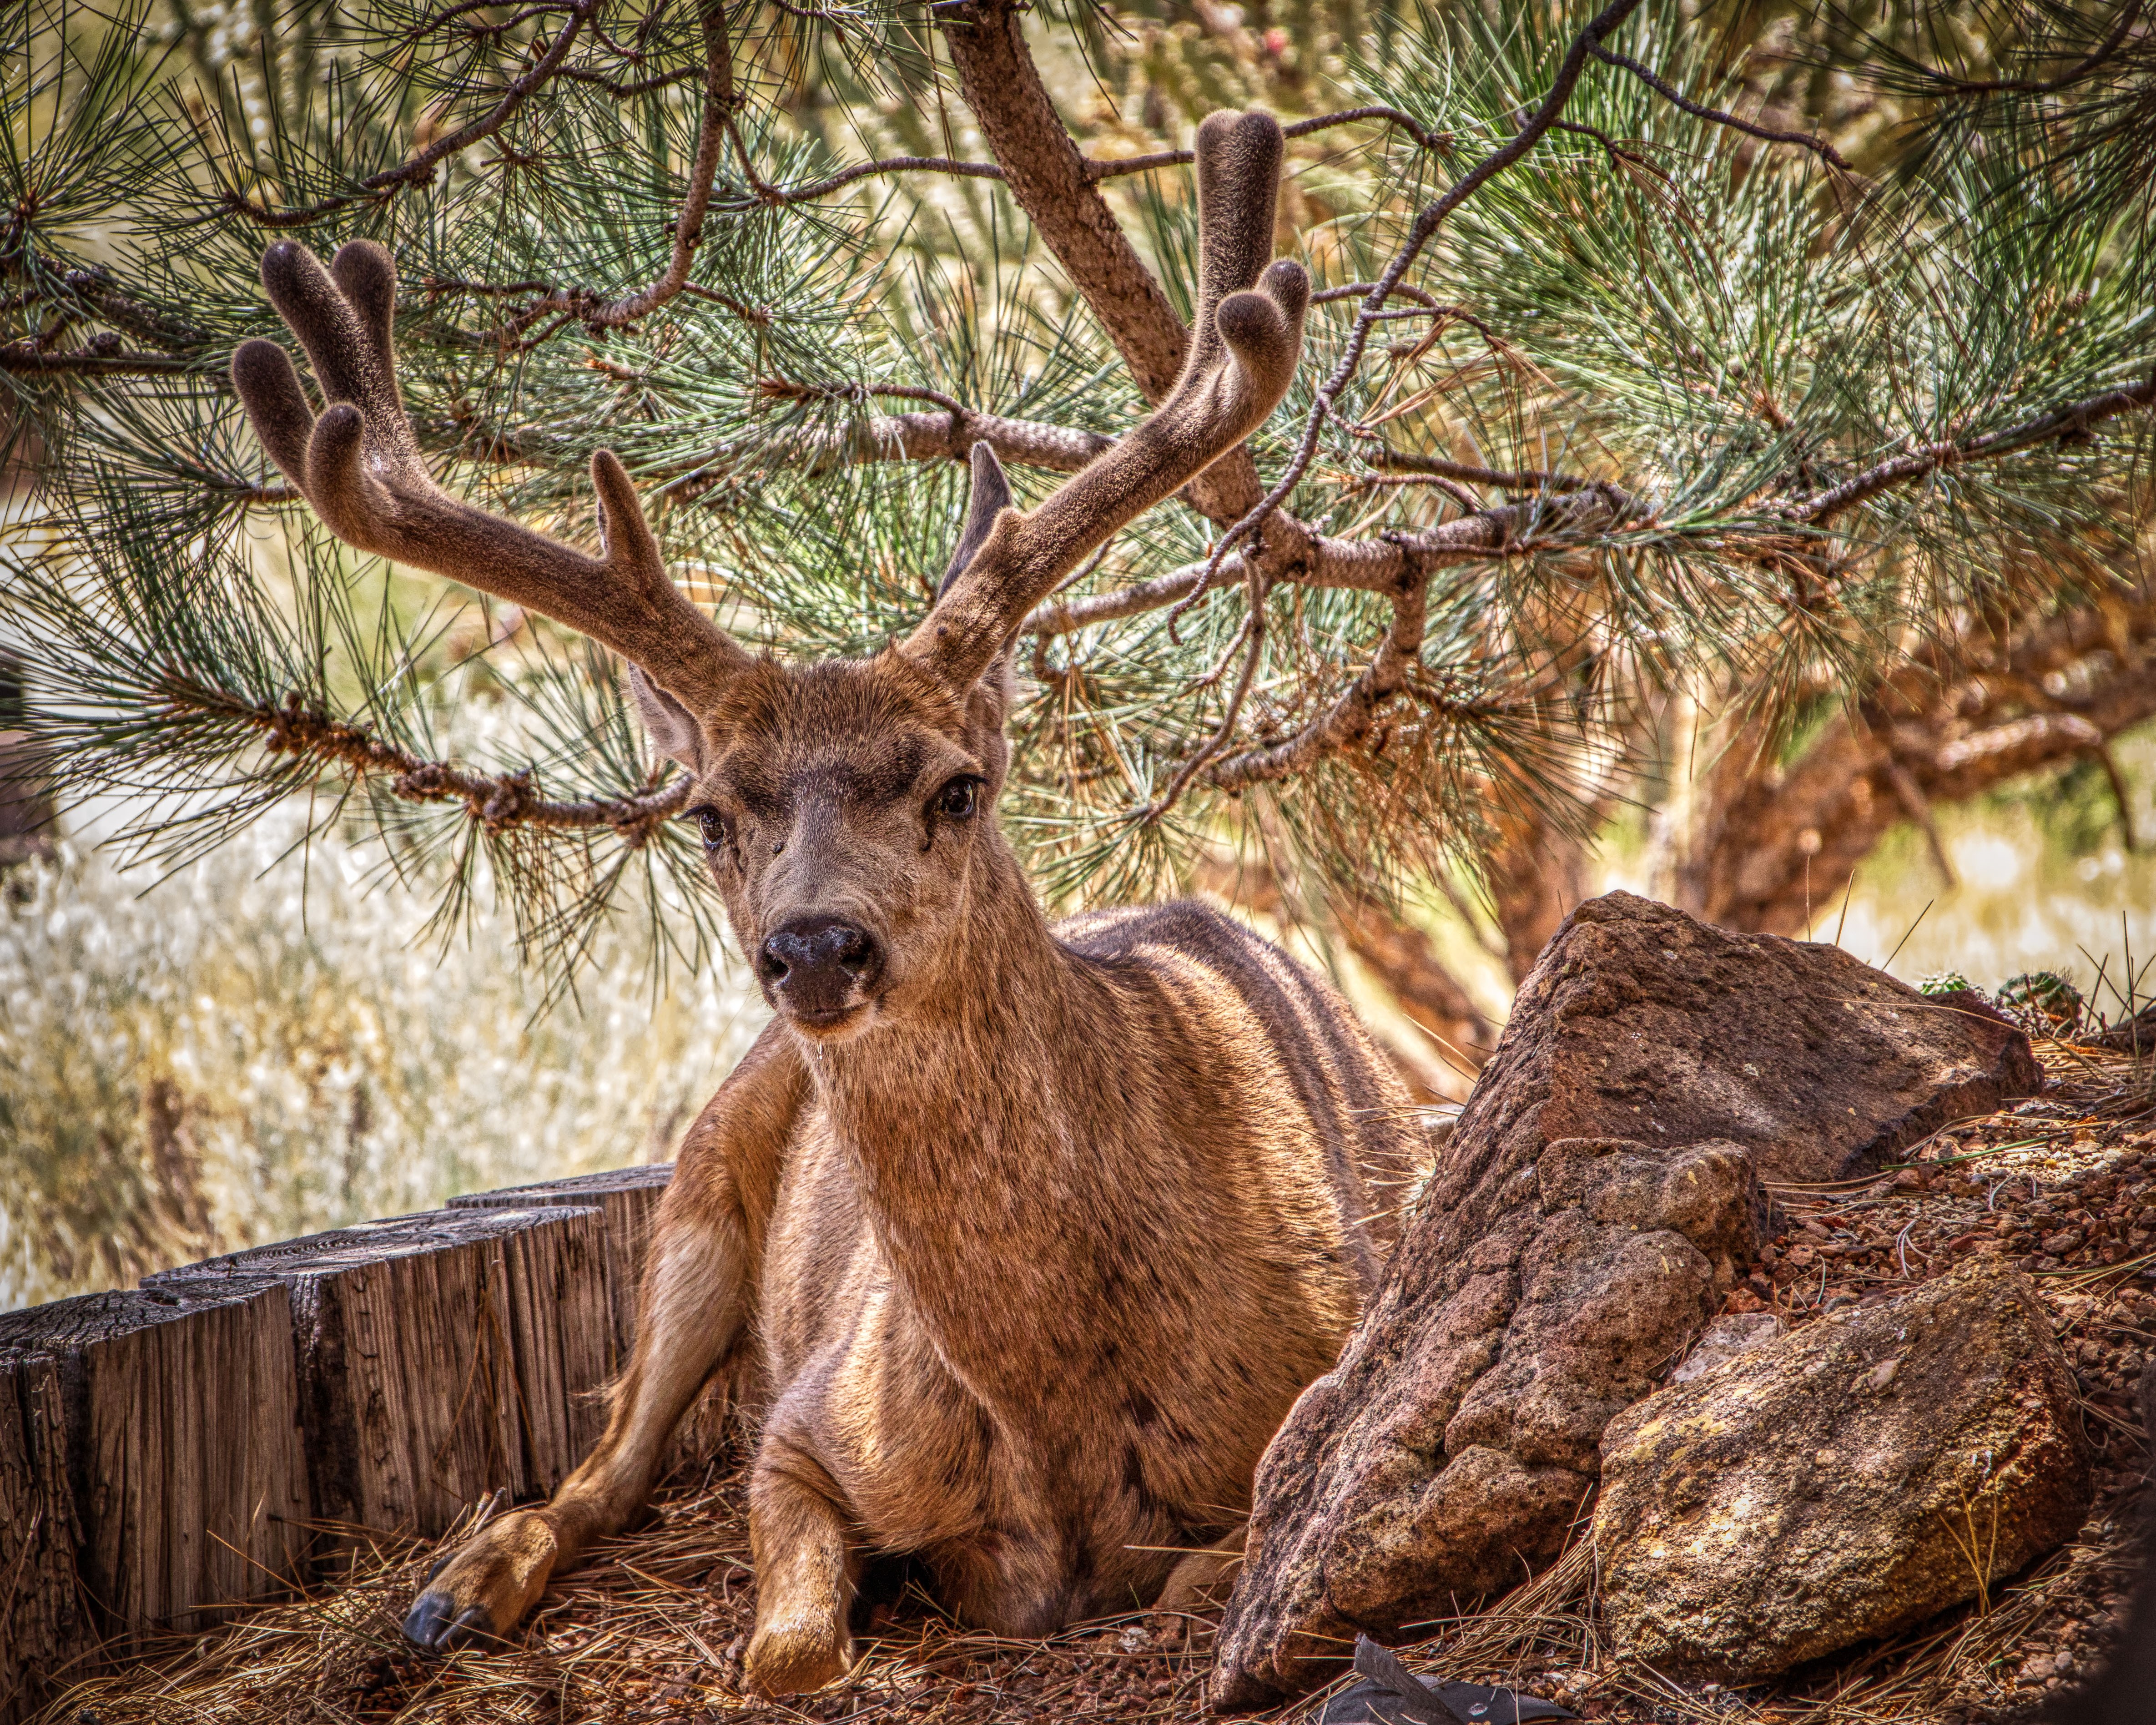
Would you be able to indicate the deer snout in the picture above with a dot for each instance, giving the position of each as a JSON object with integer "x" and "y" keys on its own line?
{"x": 818, "y": 966}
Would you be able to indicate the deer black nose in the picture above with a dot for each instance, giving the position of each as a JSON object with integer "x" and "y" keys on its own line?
{"x": 817, "y": 963}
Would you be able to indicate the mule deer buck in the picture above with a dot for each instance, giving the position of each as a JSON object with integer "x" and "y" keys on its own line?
{"x": 1034, "y": 1233}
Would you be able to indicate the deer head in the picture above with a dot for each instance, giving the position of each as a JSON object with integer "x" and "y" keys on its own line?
{"x": 844, "y": 805}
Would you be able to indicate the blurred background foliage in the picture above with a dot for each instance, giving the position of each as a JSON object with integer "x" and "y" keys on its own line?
{"x": 1937, "y": 695}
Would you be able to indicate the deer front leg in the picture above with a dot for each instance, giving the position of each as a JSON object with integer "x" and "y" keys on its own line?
{"x": 694, "y": 1308}
{"x": 806, "y": 1568}
{"x": 1200, "y": 1580}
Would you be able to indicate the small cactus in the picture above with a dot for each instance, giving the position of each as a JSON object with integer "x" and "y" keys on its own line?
{"x": 2043, "y": 999}
{"x": 1947, "y": 981}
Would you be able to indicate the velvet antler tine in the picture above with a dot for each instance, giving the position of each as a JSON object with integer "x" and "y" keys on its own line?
{"x": 1264, "y": 327}
{"x": 630, "y": 543}
{"x": 1239, "y": 160}
{"x": 337, "y": 480}
{"x": 640, "y": 569}
{"x": 361, "y": 467}
{"x": 989, "y": 495}
{"x": 366, "y": 273}
{"x": 350, "y": 363}
{"x": 276, "y": 406}
{"x": 1243, "y": 355}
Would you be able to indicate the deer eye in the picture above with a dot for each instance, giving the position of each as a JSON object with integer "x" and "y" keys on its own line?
{"x": 956, "y": 800}
{"x": 713, "y": 825}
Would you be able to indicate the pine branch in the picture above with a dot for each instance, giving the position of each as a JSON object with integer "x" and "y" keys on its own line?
{"x": 2096, "y": 59}
{"x": 1699, "y": 110}
{"x": 1749, "y": 369}
{"x": 946, "y": 436}
{"x": 123, "y": 311}
{"x": 1095, "y": 169}
{"x": 1426, "y": 224}
{"x": 621, "y": 90}
{"x": 713, "y": 129}
{"x": 497, "y": 802}
{"x": 766, "y": 196}
{"x": 2067, "y": 424}
{"x": 419, "y": 170}
{"x": 1349, "y": 719}
{"x": 99, "y": 359}
{"x": 1522, "y": 479}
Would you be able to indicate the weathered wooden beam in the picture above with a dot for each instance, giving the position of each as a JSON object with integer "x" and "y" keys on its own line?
{"x": 630, "y": 1198}
{"x": 439, "y": 1356}
{"x": 44, "y": 1619}
{"x": 151, "y": 1472}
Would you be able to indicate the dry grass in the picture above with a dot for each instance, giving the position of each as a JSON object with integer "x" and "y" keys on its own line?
{"x": 262, "y": 1046}
{"x": 649, "y": 1628}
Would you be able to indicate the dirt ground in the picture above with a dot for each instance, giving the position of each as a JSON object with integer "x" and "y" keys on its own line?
{"x": 650, "y": 1628}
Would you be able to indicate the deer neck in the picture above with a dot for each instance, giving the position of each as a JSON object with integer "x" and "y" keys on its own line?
{"x": 968, "y": 1126}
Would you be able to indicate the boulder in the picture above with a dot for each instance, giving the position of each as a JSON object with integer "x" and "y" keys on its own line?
{"x": 1842, "y": 1483}
{"x": 1598, "y": 1196}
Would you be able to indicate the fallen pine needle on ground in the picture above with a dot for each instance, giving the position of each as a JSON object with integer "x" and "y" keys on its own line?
{"x": 650, "y": 1627}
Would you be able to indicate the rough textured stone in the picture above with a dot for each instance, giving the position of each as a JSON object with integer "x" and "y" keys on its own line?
{"x": 1724, "y": 1339}
{"x": 1595, "y": 1199}
{"x": 1844, "y": 1482}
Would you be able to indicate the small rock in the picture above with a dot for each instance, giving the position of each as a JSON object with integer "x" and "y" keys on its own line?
{"x": 1763, "y": 1514}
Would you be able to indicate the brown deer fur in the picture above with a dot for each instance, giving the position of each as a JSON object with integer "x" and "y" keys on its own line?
{"x": 1035, "y": 1234}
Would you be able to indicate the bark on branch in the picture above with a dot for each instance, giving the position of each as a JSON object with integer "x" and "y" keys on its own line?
{"x": 2069, "y": 422}
{"x": 496, "y": 801}
{"x": 1054, "y": 185}
{"x": 1768, "y": 849}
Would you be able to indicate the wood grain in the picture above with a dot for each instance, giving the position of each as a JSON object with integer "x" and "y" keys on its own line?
{"x": 150, "y": 1473}
{"x": 440, "y": 1357}
{"x": 44, "y": 1618}
{"x": 629, "y": 1198}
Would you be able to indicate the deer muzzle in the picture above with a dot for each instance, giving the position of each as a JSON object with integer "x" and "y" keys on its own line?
{"x": 818, "y": 969}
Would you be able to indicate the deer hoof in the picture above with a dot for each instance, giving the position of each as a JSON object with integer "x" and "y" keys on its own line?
{"x": 483, "y": 1590}
{"x": 434, "y": 1623}
{"x": 794, "y": 1658}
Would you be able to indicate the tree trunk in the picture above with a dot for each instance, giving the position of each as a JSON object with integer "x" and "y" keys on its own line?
{"x": 1754, "y": 843}
{"x": 1538, "y": 877}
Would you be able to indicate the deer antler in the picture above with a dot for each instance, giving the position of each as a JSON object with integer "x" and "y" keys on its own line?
{"x": 1243, "y": 355}
{"x": 360, "y": 468}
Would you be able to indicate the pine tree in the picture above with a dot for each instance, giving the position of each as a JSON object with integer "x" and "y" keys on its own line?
{"x": 1655, "y": 378}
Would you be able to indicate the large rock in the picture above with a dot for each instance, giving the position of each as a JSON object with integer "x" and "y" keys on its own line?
{"x": 1595, "y": 1201}
{"x": 1844, "y": 1482}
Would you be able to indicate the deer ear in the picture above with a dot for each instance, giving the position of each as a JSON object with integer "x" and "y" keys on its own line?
{"x": 990, "y": 496}
{"x": 673, "y": 727}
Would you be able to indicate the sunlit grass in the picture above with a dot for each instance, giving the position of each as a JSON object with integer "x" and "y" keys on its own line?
{"x": 265, "y": 1045}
